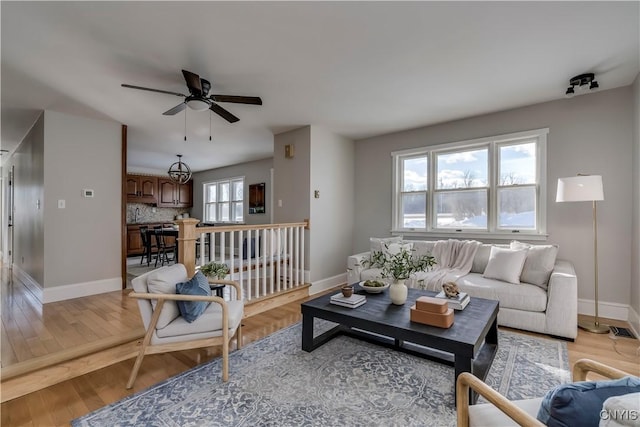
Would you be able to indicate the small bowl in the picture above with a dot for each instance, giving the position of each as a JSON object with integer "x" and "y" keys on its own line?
{"x": 347, "y": 291}
{"x": 374, "y": 289}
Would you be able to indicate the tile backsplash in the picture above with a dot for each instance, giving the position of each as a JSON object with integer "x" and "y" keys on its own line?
{"x": 146, "y": 214}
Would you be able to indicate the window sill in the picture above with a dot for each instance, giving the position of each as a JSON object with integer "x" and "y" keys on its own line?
{"x": 471, "y": 235}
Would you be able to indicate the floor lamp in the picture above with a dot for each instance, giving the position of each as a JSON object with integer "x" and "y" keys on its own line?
{"x": 586, "y": 188}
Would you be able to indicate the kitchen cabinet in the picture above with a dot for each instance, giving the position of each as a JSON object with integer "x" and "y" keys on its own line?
{"x": 174, "y": 195}
{"x": 134, "y": 240}
{"x": 141, "y": 188}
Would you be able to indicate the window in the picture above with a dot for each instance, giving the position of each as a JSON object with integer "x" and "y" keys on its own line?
{"x": 493, "y": 185}
{"x": 224, "y": 200}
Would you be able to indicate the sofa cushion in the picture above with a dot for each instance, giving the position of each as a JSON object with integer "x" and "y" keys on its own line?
{"x": 522, "y": 297}
{"x": 395, "y": 248}
{"x": 482, "y": 257}
{"x": 505, "y": 264}
{"x": 199, "y": 286}
{"x": 580, "y": 403}
{"x": 378, "y": 243}
{"x": 422, "y": 248}
{"x": 163, "y": 281}
{"x": 371, "y": 274}
{"x": 539, "y": 262}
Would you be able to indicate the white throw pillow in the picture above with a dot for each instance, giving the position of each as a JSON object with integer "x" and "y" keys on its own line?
{"x": 377, "y": 243}
{"x": 539, "y": 263}
{"x": 620, "y": 405}
{"x": 505, "y": 264}
{"x": 394, "y": 248}
{"x": 163, "y": 281}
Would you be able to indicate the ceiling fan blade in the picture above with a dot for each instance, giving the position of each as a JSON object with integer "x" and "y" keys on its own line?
{"x": 193, "y": 82}
{"x": 223, "y": 113}
{"x": 175, "y": 110}
{"x": 152, "y": 90}
{"x": 253, "y": 100}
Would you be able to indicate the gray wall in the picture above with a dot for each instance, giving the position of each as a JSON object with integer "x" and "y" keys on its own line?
{"x": 82, "y": 241}
{"x": 332, "y": 214}
{"x": 60, "y": 156}
{"x": 253, "y": 172}
{"x": 292, "y": 180}
{"x": 588, "y": 134}
{"x": 28, "y": 229}
{"x": 635, "y": 247}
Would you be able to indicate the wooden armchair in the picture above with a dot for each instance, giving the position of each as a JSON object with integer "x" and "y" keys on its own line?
{"x": 219, "y": 323}
{"x": 504, "y": 412}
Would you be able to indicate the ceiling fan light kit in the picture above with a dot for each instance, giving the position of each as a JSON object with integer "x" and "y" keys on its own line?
{"x": 581, "y": 83}
{"x": 199, "y": 98}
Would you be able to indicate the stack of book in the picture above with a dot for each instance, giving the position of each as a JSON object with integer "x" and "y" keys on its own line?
{"x": 458, "y": 303}
{"x": 353, "y": 301}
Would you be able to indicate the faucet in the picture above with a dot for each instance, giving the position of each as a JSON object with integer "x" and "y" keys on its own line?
{"x": 136, "y": 215}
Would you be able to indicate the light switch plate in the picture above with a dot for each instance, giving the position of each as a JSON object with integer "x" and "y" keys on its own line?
{"x": 87, "y": 192}
{"x": 61, "y": 204}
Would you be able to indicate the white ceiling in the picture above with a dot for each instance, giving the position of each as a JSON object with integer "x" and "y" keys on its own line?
{"x": 357, "y": 68}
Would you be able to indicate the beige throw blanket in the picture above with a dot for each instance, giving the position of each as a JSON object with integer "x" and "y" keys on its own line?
{"x": 454, "y": 259}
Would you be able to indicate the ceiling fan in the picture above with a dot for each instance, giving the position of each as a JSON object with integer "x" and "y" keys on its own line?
{"x": 199, "y": 98}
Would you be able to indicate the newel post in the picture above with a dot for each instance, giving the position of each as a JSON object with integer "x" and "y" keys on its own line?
{"x": 187, "y": 243}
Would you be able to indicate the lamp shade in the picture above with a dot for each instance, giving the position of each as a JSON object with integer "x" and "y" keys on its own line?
{"x": 580, "y": 188}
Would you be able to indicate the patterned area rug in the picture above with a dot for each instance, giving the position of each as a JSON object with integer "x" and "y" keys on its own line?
{"x": 345, "y": 382}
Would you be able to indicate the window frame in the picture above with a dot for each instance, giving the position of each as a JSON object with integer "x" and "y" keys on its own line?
{"x": 493, "y": 230}
{"x": 218, "y": 203}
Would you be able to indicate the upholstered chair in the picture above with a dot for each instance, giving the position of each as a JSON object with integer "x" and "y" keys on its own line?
{"x": 501, "y": 411}
{"x": 168, "y": 330}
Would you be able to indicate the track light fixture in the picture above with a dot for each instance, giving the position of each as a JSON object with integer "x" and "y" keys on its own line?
{"x": 581, "y": 83}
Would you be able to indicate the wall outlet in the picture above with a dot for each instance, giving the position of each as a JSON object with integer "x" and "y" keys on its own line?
{"x": 87, "y": 192}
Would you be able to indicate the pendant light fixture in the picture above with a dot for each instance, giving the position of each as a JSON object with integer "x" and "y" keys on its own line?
{"x": 179, "y": 171}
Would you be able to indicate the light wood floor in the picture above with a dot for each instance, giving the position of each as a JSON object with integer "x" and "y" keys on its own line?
{"x": 58, "y": 404}
{"x": 37, "y": 333}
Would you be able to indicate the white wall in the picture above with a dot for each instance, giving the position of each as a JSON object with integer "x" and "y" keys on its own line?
{"x": 253, "y": 172}
{"x": 588, "y": 134}
{"x": 82, "y": 242}
{"x": 635, "y": 244}
{"x": 332, "y": 214}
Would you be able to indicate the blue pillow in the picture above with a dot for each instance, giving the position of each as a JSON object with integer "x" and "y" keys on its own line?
{"x": 580, "y": 403}
{"x": 198, "y": 285}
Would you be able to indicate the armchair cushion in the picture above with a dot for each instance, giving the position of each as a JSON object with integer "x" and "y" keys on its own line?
{"x": 209, "y": 324}
{"x": 163, "y": 281}
{"x": 619, "y": 411}
{"x": 198, "y": 285}
{"x": 579, "y": 403}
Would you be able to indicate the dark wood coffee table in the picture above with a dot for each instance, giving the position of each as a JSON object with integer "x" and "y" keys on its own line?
{"x": 469, "y": 345}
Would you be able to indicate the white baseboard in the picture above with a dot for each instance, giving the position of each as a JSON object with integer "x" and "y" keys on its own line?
{"x": 30, "y": 283}
{"x": 77, "y": 290}
{"x": 328, "y": 283}
{"x": 634, "y": 321}
{"x": 610, "y": 310}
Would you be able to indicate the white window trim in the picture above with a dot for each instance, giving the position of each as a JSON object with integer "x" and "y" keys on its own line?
{"x": 493, "y": 232}
{"x": 231, "y": 201}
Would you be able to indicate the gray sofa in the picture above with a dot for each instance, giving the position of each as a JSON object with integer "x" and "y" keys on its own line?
{"x": 550, "y": 306}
